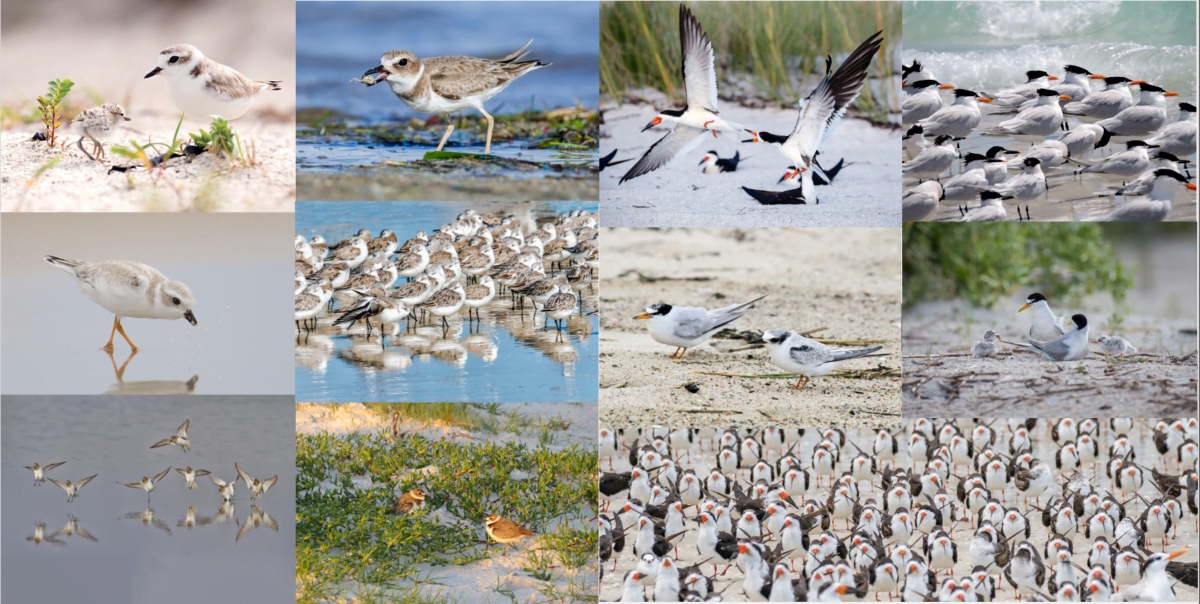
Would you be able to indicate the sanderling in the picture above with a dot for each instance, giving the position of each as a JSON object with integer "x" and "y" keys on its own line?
{"x": 72, "y": 489}
{"x": 445, "y": 302}
{"x": 180, "y": 438}
{"x": 39, "y": 475}
{"x": 201, "y": 87}
{"x": 97, "y": 124}
{"x": 129, "y": 289}
{"x": 504, "y": 530}
{"x": 309, "y": 305}
{"x": 147, "y": 484}
{"x": 445, "y": 85}
{"x": 560, "y": 305}
{"x": 226, "y": 489}
{"x": 479, "y": 294}
{"x": 257, "y": 487}
{"x": 190, "y": 475}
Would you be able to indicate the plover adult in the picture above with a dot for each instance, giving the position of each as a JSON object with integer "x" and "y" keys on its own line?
{"x": 445, "y": 85}
{"x": 97, "y": 124}
{"x": 201, "y": 87}
{"x": 129, "y": 289}
{"x": 504, "y": 530}
{"x": 407, "y": 502}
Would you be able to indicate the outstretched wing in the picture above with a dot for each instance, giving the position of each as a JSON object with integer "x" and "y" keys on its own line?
{"x": 825, "y": 106}
{"x": 676, "y": 143}
{"x": 699, "y": 78}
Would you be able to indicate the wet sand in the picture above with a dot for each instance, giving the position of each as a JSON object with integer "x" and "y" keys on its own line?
{"x": 847, "y": 281}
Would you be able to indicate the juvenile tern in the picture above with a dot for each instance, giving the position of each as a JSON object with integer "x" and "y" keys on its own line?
{"x": 689, "y": 326}
{"x": 1179, "y": 137}
{"x": 1071, "y": 346}
{"x": 923, "y": 100}
{"x": 1142, "y": 119}
{"x": 1115, "y": 346}
{"x": 824, "y": 107}
{"x": 1156, "y": 206}
{"x": 920, "y": 203}
{"x": 985, "y": 347}
{"x": 933, "y": 160}
{"x": 958, "y": 119}
{"x": 1102, "y": 104}
{"x": 1046, "y": 326}
{"x": 1036, "y": 123}
{"x": 699, "y": 115}
{"x": 800, "y": 355}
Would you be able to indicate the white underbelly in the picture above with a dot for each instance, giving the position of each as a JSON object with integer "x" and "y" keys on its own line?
{"x": 196, "y": 103}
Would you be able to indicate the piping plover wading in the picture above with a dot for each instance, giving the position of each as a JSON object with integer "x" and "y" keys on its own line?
{"x": 97, "y": 124}
{"x": 689, "y": 326}
{"x": 129, "y": 289}
{"x": 39, "y": 472}
{"x": 179, "y": 438}
{"x": 201, "y": 87}
{"x": 504, "y": 530}
{"x": 808, "y": 358}
{"x": 445, "y": 85}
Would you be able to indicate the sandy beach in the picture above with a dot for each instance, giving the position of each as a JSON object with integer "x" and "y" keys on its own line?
{"x": 700, "y": 457}
{"x": 847, "y": 281}
{"x": 477, "y": 581}
{"x": 865, "y": 193}
{"x": 204, "y": 183}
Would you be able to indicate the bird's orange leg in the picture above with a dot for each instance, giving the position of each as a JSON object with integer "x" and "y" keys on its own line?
{"x": 109, "y": 346}
{"x": 124, "y": 335}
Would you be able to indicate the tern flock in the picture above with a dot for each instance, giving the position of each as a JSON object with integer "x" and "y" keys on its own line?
{"x": 1062, "y": 127}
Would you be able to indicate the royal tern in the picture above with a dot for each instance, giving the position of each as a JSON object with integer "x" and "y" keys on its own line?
{"x": 990, "y": 209}
{"x": 1036, "y": 123}
{"x": 1104, "y": 103}
{"x": 807, "y": 358}
{"x": 1142, "y": 119}
{"x": 915, "y": 141}
{"x": 1115, "y": 346}
{"x": 824, "y": 107}
{"x": 910, "y": 74}
{"x": 933, "y": 160}
{"x": 1179, "y": 137}
{"x": 1046, "y": 326}
{"x": 965, "y": 187}
{"x": 713, "y": 164}
{"x": 1025, "y": 186}
{"x": 924, "y": 100}
{"x": 958, "y": 119}
{"x": 1075, "y": 84}
{"x": 1035, "y": 81}
{"x": 1071, "y": 346}
{"x": 1142, "y": 185}
{"x": 689, "y": 326}
{"x": 1156, "y": 206}
{"x": 1049, "y": 153}
{"x": 920, "y": 203}
{"x": 1129, "y": 163}
{"x": 1083, "y": 139}
{"x": 997, "y": 169}
{"x": 699, "y": 115}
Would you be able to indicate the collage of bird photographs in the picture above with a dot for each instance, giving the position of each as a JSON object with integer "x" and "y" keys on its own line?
{"x": 901, "y": 302}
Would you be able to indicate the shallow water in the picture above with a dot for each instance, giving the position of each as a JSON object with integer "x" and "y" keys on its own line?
{"x": 128, "y": 559}
{"x": 337, "y": 41}
{"x": 322, "y": 154}
{"x": 230, "y": 262}
{"x": 507, "y": 356}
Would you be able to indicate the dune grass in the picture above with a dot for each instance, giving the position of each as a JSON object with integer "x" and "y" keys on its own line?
{"x": 772, "y": 42}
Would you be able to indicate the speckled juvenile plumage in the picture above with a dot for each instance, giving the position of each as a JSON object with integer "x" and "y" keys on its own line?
{"x": 98, "y": 124}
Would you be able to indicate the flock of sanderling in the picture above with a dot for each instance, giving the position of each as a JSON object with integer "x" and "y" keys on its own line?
{"x": 225, "y": 489}
{"x": 361, "y": 271}
{"x": 698, "y": 499}
{"x": 1090, "y": 112}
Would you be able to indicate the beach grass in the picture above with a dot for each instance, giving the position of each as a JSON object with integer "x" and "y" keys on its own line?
{"x": 772, "y": 42}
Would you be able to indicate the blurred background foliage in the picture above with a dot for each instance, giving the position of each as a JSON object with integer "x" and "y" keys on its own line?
{"x": 770, "y": 41}
{"x": 981, "y": 262}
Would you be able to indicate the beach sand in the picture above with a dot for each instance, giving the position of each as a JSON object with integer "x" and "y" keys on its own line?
{"x": 205, "y": 183}
{"x": 865, "y": 193}
{"x": 847, "y": 281}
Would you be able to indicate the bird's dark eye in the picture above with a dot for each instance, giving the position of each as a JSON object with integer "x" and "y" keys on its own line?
{"x": 176, "y": 301}
{"x": 174, "y": 60}
{"x": 402, "y": 62}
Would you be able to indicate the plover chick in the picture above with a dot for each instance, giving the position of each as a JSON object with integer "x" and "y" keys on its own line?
{"x": 201, "y": 87}
{"x": 445, "y": 85}
{"x": 504, "y": 530}
{"x": 1115, "y": 346}
{"x": 407, "y": 502}
{"x": 180, "y": 438}
{"x": 985, "y": 347}
{"x": 129, "y": 289}
{"x": 39, "y": 472}
{"x": 98, "y": 124}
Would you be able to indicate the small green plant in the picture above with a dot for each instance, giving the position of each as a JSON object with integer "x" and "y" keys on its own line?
{"x": 220, "y": 138}
{"x": 50, "y": 106}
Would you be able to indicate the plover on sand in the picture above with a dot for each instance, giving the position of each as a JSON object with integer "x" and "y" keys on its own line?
{"x": 407, "y": 502}
{"x": 201, "y": 87}
{"x": 504, "y": 530}
{"x": 97, "y": 124}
